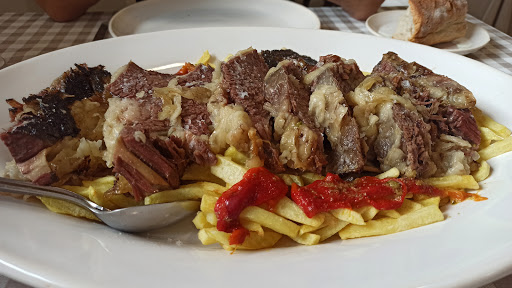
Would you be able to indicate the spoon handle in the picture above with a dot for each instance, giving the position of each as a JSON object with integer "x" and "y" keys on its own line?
{"x": 28, "y": 188}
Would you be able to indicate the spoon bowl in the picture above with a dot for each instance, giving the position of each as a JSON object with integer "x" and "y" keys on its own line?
{"x": 131, "y": 219}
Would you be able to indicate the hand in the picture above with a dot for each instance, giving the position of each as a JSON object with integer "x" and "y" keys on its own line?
{"x": 359, "y": 9}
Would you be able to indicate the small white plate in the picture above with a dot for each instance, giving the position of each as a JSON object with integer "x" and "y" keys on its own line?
{"x": 384, "y": 24}
{"x": 159, "y": 15}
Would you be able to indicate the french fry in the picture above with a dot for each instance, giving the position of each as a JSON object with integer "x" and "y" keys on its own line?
{"x": 496, "y": 148}
{"x": 483, "y": 172}
{"x": 185, "y": 192}
{"x": 254, "y": 241}
{"x": 408, "y": 206}
{"x": 96, "y": 191}
{"x": 205, "y": 58}
{"x": 211, "y": 218}
{"x": 307, "y": 239}
{"x": 367, "y": 212}
{"x": 334, "y": 226}
{"x": 228, "y": 170}
{"x": 237, "y": 157}
{"x": 270, "y": 220}
{"x": 430, "y": 201}
{"x": 208, "y": 203}
{"x": 454, "y": 182}
{"x": 290, "y": 210}
{"x": 487, "y": 137}
{"x": 311, "y": 177}
{"x": 200, "y": 221}
{"x": 424, "y": 216}
{"x": 219, "y": 236}
{"x": 308, "y": 228}
{"x": 348, "y": 215}
{"x": 257, "y": 241}
{"x": 205, "y": 238}
{"x": 289, "y": 179}
{"x": 64, "y": 207}
{"x": 486, "y": 121}
{"x": 391, "y": 173}
{"x": 102, "y": 184}
{"x": 252, "y": 226}
{"x": 389, "y": 213}
{"x": 196, "y": 172}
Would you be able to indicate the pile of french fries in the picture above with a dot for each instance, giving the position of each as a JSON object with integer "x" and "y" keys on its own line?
{"x": 266, "y": 228}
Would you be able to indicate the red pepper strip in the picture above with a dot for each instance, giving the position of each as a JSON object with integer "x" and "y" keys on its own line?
{"x": 185, "y": 69}
{"x": 334, "y": 193}
{"x": 259, "y": 186}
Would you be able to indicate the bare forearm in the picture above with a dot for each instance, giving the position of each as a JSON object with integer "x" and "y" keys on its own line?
{"x": 359, "y": 9}
{"x": 65, "y": 10}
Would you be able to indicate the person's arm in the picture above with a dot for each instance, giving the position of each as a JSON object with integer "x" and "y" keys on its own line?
{"x": 65, "y": 10}
{"x": 359, "y": 9}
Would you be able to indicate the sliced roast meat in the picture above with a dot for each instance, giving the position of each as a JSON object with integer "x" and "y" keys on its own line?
{"x": 133, "y": 81}
{"x": 286, "y": 93}
{"x": 459, "y": 122}
{"x": 333, "y": 78}
{"x": 346, "y": 155}
{"x": 195, "y": 117}
{"x": 288, "y": 102}
{"x": 335, "y": 71}
{"x": 43, "y": 119}
{"x": 199, "y": 76}
{"x": 421, "y": 83}
{"x": 149, "y": 164}
{"x": 404, "y": 142}
{"x": 83, "y": 81}
{"x": 273, "y": 57}
{"x": 243, "y": 77}
{"x": 243, "y": 84}
{"x": 198, "y": 149}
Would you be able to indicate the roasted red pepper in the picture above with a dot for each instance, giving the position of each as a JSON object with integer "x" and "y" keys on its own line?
{"x": 259, "y": 186}
{"x": 185, "y": 69}
{"x": 334, "y": 193}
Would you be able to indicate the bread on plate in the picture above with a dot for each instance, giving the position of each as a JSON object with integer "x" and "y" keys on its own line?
{"x": 433, "y": 21}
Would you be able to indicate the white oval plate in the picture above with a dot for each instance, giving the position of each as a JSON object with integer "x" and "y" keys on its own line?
{"x": 470, "y": 248}
{"x": 384, "y": 24}
{"x": 159, "y": 15}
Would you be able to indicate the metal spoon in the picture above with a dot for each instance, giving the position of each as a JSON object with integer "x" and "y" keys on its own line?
{"x": 131, "y": 219}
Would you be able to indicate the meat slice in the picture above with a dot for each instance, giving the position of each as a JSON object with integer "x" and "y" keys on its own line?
{"x": 243, "y": 77}
{"x": 149, "y": 163}
{"x": 44, "y": 119}
{"x": 421, "y": 84}
{"x": 199, "y": 76}
{"x": 273, "y": 57}
{"x": 404, "y": 142}
{"x": 333, "y": 78}
{"x": 133, "y": 81}
{"x": 335, "y": 71}
{"x": 459, "y": 122}
{"x": 301, "y": 144}
{"x": 195, "y": 118}
{"x": 243, "y": 83}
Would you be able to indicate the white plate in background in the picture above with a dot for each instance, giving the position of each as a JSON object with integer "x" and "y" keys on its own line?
{"x": 470, "y": 248}
{"x": 158, "y": 15}
{"x": 384, "y": 24}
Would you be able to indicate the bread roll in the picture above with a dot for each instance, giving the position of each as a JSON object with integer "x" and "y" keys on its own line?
{"x": 433, "y": 21}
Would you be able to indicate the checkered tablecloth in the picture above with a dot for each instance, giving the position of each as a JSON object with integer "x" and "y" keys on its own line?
{"x": 25, "y": 35}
